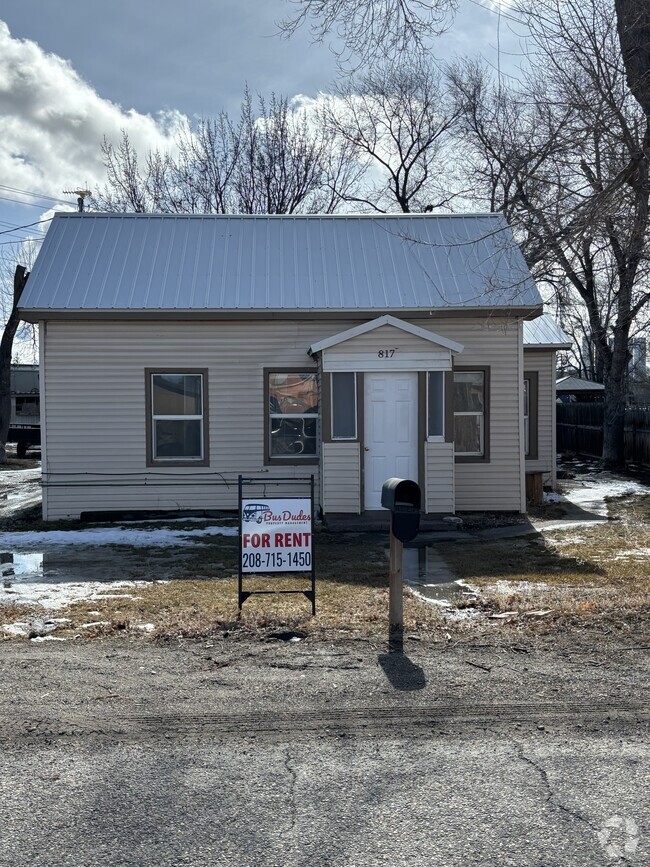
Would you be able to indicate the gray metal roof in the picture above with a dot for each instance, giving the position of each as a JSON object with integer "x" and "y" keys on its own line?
{"x": 106, "y": 263}
{"x": 545, "y": 333}
{"x": 574, "y": 383}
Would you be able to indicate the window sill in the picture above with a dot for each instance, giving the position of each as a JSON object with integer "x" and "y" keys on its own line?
{"x": 178, "y": 462}
{"x": 291, "y": 462}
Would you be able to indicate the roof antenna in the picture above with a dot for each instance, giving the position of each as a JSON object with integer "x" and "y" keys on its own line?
{"x": 81, "y": 196}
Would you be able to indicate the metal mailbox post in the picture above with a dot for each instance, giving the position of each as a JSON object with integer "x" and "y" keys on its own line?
{"x": 403, "y": 498}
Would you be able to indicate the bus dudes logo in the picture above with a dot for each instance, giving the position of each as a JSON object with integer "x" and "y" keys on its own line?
{"x": 276, "y": 535}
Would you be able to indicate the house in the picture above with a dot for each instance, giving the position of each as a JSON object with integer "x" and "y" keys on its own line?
{"x": 352, "y": 347}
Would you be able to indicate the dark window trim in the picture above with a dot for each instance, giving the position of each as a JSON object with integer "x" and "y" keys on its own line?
{"x": 485, "y": 457}
{"x": 189, "y": 462}
{"x": 289, "y": 460}
{"x": 533, "y": 414}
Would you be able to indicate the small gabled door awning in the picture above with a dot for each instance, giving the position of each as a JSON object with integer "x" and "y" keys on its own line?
{"x": 386, "y": 343}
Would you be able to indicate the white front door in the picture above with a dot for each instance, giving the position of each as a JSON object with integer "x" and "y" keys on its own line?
{"x": 390, "y": 431}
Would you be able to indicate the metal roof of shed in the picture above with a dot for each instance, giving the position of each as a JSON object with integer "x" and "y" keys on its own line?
{"x": 545, "y": 333}
{"x": 575, "y": 383}
{"x": 119, "y": 263}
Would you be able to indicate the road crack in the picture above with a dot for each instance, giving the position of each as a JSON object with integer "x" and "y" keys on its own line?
{"x": 551, "y": 798}
{"x": 293, "y": 779}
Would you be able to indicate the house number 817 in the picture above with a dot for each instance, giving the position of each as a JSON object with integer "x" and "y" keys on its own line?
{"x": 386, "y": 353}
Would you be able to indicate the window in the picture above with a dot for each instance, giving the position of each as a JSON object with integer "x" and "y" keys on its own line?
{"x": 531, "y": 387}
{"x": 436, "y": 405}
{"x": 344, "y": 406}
{"x": 177, "y": 417}
{"x": 527, "y": 416}
{"x": 293, "y": 415}
{"x": 469, "y": 413}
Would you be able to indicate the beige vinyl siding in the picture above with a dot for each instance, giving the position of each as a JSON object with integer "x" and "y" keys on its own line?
{"x": 439, "y": 477}
{"x": 410, "y": 352}
{"x": 496, "y": 485}
{"x": 543, "y": 362}
{"x": 96, "y": 426}
{"x": 341, "y": 478}
{"x": 93, "y": 390}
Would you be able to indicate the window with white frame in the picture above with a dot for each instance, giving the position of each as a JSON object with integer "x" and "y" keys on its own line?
{"x": 177, "y": 417}
{"x": 469, "y": 413}
{"x": 436, "y": 406}
{"x": 293, "y": 414}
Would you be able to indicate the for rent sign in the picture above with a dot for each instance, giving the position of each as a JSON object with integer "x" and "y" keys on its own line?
{"x": 276, "y": 535}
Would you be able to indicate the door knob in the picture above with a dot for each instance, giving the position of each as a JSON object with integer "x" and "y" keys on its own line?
{"x": 366, "y": 449}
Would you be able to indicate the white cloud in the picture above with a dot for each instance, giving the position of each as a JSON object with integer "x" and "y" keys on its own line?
{"x": 54, "y": 122}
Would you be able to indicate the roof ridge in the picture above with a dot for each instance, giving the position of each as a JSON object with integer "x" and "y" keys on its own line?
{"x": 398, "y": 216}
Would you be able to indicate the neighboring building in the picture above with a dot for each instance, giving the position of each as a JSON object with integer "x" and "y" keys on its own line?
{"x": 352, "y": 347}
{"x": 25, "y": 419}
{"x": 543, "y": 338}
{"x": 573, "y": 389}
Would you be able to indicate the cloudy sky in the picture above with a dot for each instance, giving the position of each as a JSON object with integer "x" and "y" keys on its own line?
{"x": 74, "y": 71}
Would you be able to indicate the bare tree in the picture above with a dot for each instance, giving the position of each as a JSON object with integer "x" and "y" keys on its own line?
{"x": 372, "y": 29}
{"x": 565, "y": 155}
{"x": 6, "y": 347}
{"x": 398, "y": 120}
{"x": 275, "y": 159}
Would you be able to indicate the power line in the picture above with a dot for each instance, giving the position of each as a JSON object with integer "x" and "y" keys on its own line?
{"x": 26, "y": 226}
{"x": 41, "y": 205}
{"x": 35, "y": 195}
{"x": 22, "y": 241}
{"x": 11, "y": 226}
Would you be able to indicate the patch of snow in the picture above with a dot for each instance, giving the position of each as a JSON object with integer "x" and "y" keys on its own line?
{"x": 636, "y": 554}
{"x": 552, "y": 497}
{"x": 21, "y": 488}
{"x": 95, "y": 623}
{"x": 145, "y": 627}
{"x": 60, "y": 595}
{"x": 591, "y": 493}
{"x": 40, "y": 638}
{"x": 112, "y": 536}
{"x": 20, "y": 630}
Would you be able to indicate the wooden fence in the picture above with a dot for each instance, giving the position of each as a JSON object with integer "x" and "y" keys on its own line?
{"x": 580, "y": 430}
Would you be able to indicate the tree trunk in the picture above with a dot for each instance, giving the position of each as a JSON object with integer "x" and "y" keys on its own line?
{"x": 6, "y": 346}
{"x": 633, "y": 24}
{"x": 614, "y": 409}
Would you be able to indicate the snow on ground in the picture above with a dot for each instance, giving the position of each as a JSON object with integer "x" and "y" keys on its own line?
{"x": 111, "y": 536}
{"x": 590, "y": 492}
{"x": 19, "y": 489}
{"x": 57, "y": 595}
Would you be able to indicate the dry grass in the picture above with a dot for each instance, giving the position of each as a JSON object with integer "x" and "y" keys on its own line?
{"x": 585, "y": 574}
{"x": 199, "y": 596}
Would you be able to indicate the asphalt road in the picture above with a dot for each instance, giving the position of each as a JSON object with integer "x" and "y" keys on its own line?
{"x": 259, "y": 753}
